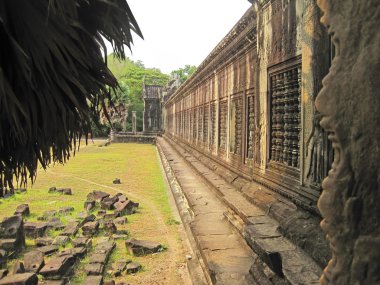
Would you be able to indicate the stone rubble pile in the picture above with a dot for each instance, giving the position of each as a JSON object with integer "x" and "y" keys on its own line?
{"x": 56, "y": 266}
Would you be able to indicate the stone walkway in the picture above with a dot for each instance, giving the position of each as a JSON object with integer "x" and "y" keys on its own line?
{"x": 227, "y": 258}
{"x": 219, "y": 208}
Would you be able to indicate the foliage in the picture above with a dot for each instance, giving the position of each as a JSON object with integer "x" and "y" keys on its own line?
{"x": 53, "y": 76}
{"x": 185, "y": 72}
{"x": 132, "y": 75}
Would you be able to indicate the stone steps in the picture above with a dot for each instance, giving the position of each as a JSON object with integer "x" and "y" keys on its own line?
{"x": 279, "y": 254}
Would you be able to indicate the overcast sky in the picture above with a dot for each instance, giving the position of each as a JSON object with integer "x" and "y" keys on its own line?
{"x": 179, "y": 32}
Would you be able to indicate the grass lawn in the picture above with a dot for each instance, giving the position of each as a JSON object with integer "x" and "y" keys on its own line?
{"x": 94, "y": 168}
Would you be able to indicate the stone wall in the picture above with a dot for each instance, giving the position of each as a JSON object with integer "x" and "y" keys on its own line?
{"x": 349, "y": 103}
{"x": 132, "y": 138}
{"x": 250, "y": 105}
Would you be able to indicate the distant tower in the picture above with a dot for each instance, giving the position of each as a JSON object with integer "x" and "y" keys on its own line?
{"x": 152, "y": 95}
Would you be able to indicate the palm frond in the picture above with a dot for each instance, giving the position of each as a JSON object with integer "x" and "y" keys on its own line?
{"x": 53, "y": 76}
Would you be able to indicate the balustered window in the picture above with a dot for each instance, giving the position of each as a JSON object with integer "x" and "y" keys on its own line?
{"x": 285, "y": 96}
{"x": 250, "y": 126}
{"x": 236, "y": 124}
{"x": 205, "y": 123}
{"x": 213, "y": 123}
{"x": 194, "y": 138}
{"x": 200, "y": 123}
{"x": 223, "y": 124}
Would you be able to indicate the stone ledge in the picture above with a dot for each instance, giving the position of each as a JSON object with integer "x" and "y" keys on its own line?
{"x": 292, "y": 220}
{"x": 259, "y": 230}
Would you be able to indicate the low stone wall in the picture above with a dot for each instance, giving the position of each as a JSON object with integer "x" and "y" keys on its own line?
{"x": 133, "y": 138}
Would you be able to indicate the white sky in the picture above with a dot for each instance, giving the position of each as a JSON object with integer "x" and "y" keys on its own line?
{"x": 179, "y": 32}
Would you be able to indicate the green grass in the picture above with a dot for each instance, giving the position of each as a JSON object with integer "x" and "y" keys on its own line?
{"x": 94, "y": 168}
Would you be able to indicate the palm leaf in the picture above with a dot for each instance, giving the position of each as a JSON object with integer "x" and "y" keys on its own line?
{"x": 53, "y": 76}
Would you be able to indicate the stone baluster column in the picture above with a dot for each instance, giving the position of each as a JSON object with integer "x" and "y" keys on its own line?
{"x": 134, "y": 122}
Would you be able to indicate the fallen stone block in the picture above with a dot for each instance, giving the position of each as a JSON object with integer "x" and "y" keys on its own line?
{"x": 97, "y": 195}
{"x": 35, "y": 229}
{"x": 55, "y": 224}
{"x": 67, "y": 191}
{"x": 126, "y": 208}
{"x": 101, "y": 213}
{"x": 87, "y": 219}
{"x": 43, "y": 241}
{"x": 119, "y": 267}
{"x": 71, "y": 229}
{"x": 133, "y": 267}
{"x": 82, "y": 242}
{"x": 107, "y": 246}
{"x": 65, "y": 210}
{"x": 77, "y": 252}
{"x": 142, "y": 247}
{"x": 34, "y": 261}
{"x": 116, "y": 181}
{"x": 90, "y": 228}
{"x": 108, "y": 203}
{"x": 58, "y": 267}
{"x": 9, "y": 244}
{"x": 52, "y": 189}
{"x": 20, "y": 279}
{"x": 111, "y": 216}
{"x": 61, "y": 240}
{"x": 94, "y": 269}
{"x": 89, "y": 205}
{"x": 100, "y": 257}
{"x": 109, "y": 226}
{"x": 109, "y": 282}
{"x": 120, "y": 220}
{"x": 18, "y": 267}
{"x": 122, "y": 197}
{"x": 93, "y": 280}
{"x": 59, "y": 190}
{"x": 22, "y": 210}
{"x": 48, "y": 249}
{"x": 12, "y": 234}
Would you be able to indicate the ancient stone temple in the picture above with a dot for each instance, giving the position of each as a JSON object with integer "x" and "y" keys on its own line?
{"x": 250, "y": 105}
{"x": 152, "y": 95}
{"x": 248, "y": 113}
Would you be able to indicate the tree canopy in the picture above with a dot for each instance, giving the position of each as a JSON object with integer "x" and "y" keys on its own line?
{"x": 132, "y": 74}
{"x": 185, "y": 72}
{"x": 53, "y": 76}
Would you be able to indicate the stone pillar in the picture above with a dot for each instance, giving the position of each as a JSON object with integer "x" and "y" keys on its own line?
{"x": 349, "y": 104}
{"x": 112, "y": 136}
{"x": 134, "y": 123}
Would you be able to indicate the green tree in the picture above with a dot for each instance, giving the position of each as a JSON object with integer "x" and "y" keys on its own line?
{"x": 185, "y": 72}
{"x": 133, "y": 74}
